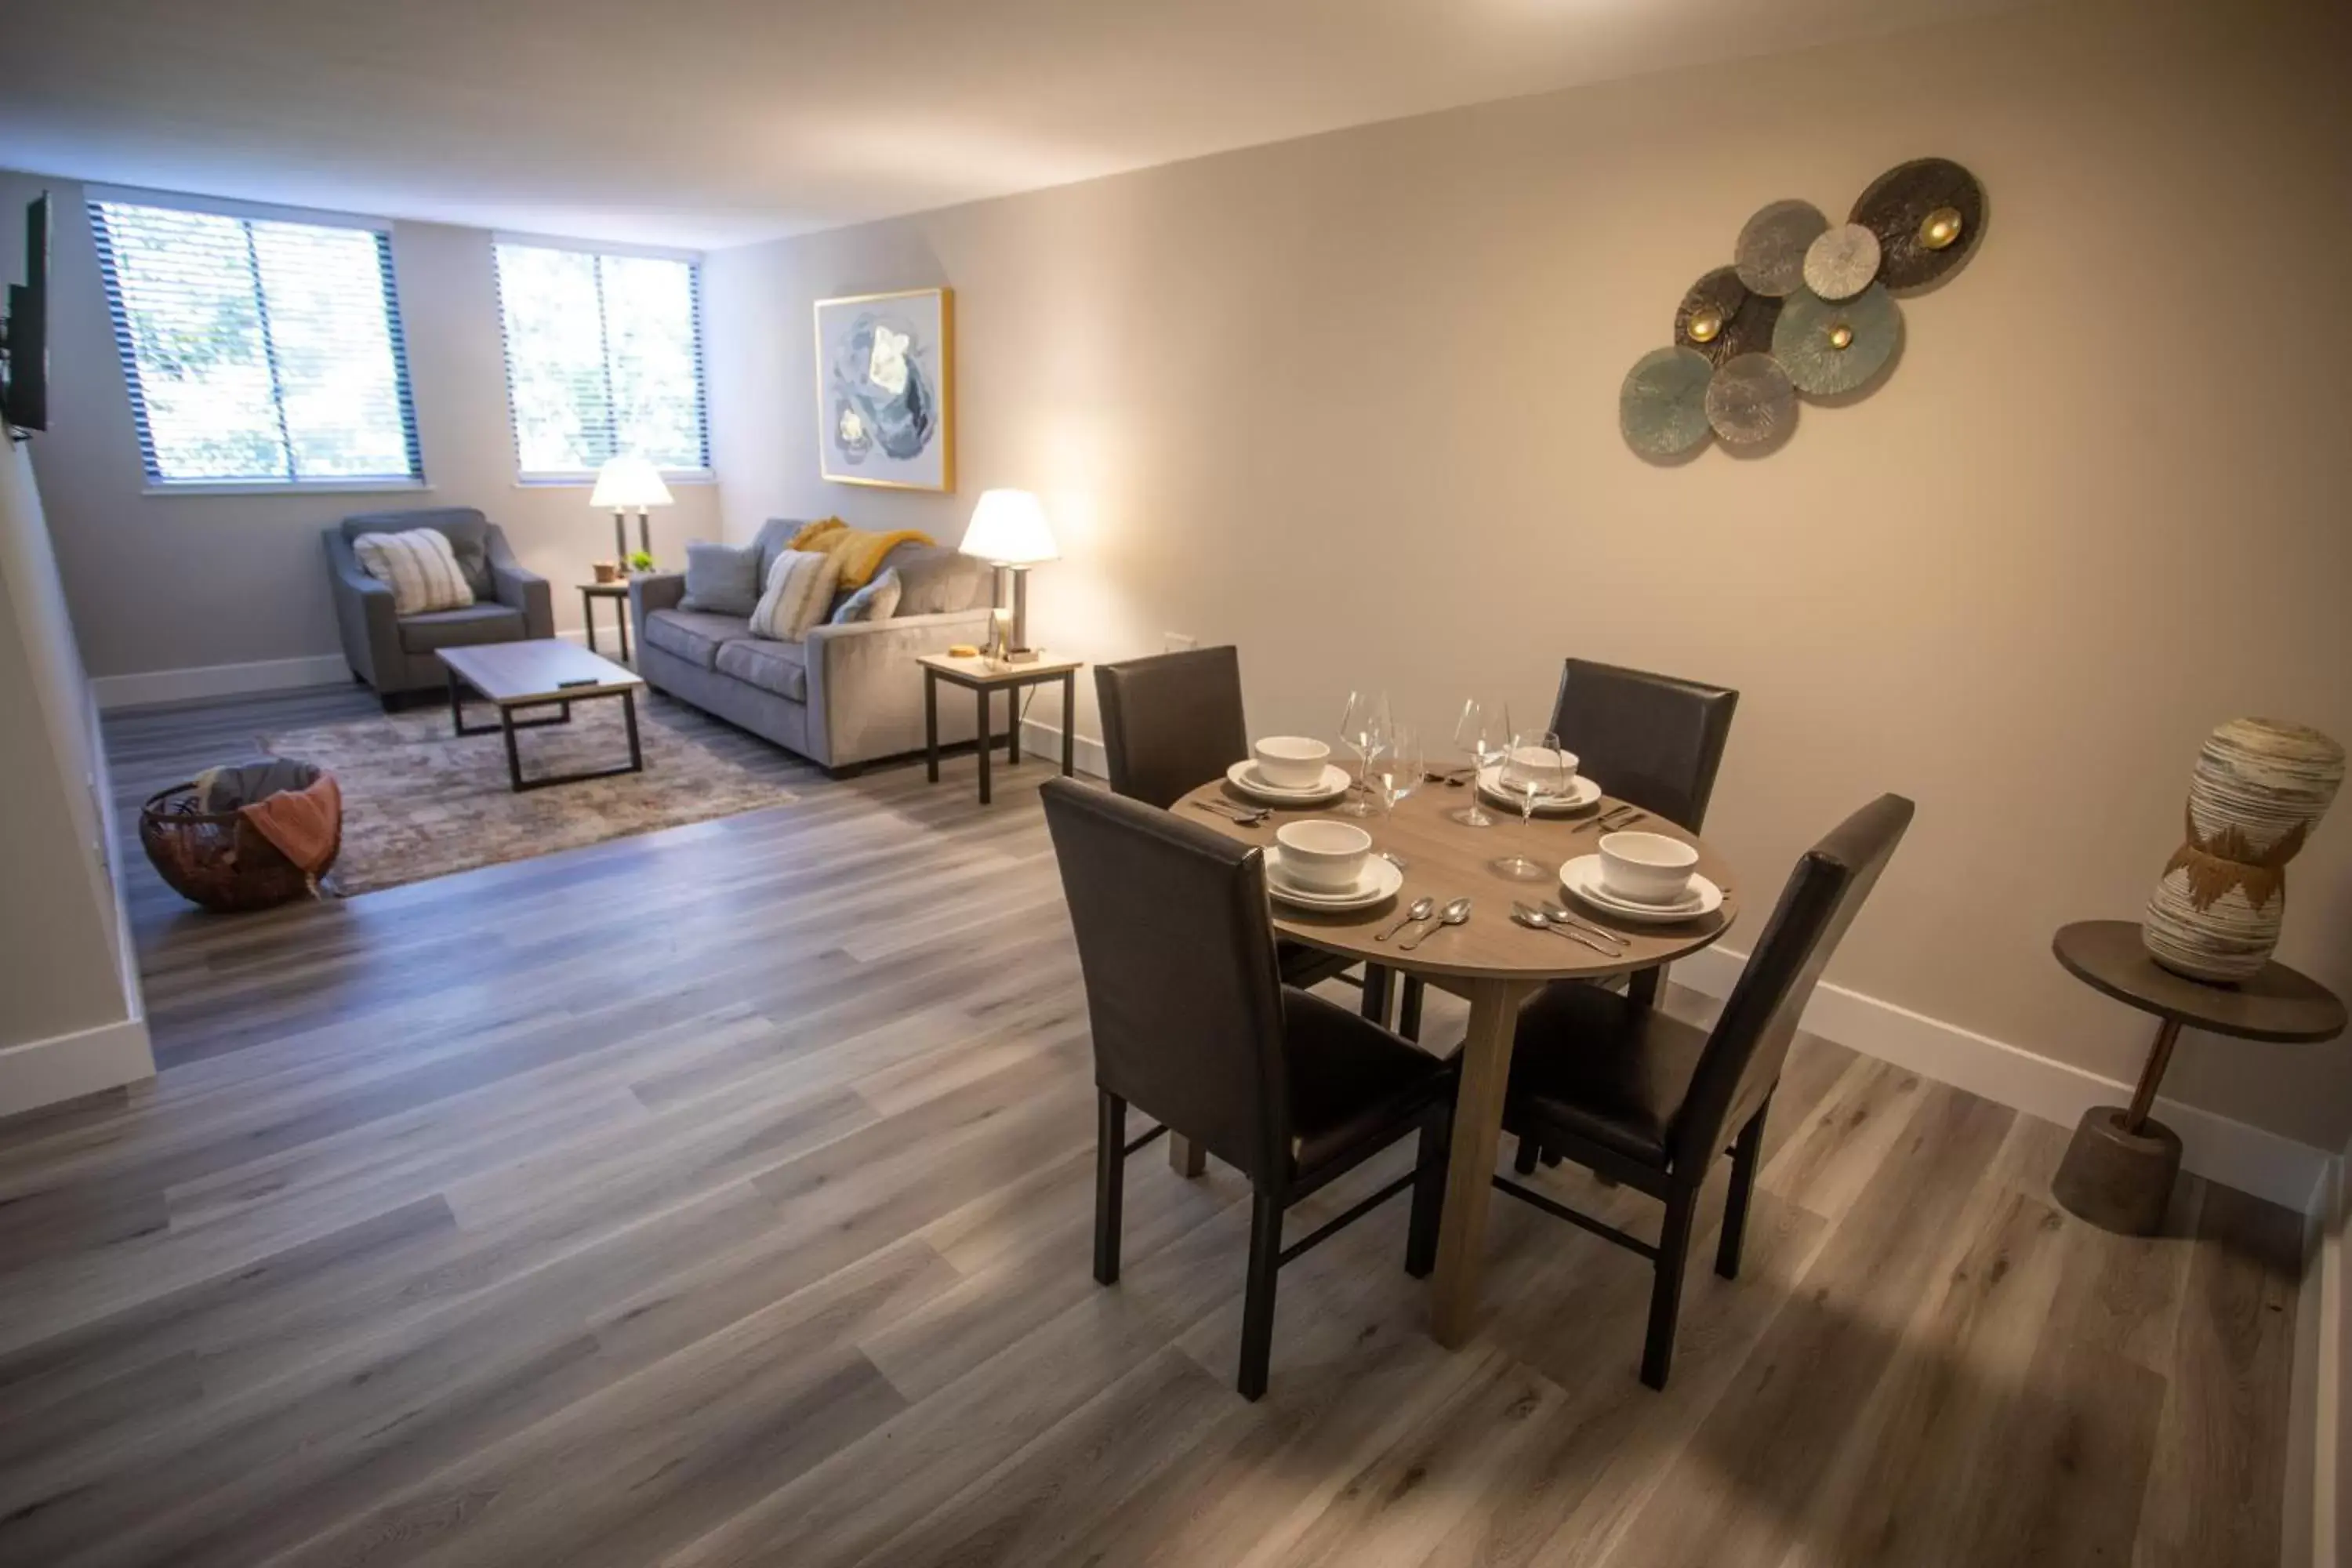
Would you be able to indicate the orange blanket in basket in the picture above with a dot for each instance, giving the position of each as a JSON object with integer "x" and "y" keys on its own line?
{"x": 306, "y": 824}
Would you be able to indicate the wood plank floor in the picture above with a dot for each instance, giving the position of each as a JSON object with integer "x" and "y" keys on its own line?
{"x": 721, "y": 1196}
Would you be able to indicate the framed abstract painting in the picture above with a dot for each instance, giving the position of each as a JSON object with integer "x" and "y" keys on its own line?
{"x": 886, "y": 389}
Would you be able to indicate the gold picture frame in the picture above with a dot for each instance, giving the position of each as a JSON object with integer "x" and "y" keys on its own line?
{"x": 886, "y": 419}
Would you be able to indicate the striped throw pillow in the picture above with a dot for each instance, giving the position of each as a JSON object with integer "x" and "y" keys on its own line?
{"x": 799, "y": 587}
{"x": 420, "y": 566}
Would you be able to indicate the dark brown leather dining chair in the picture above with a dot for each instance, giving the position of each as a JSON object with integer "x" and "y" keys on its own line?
{"x": 1653, "y": 740}
{"x": 1194, "y": 1028}
{"x": 1646, "y": 1100}
{"x": 1173, "y": 722}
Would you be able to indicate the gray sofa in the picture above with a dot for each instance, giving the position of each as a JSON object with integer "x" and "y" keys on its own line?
{"x": 394, "y": 653}
{"x": 849, "y": 695}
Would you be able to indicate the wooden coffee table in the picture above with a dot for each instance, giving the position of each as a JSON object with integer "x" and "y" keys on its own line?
{"x": 543, "y": 673}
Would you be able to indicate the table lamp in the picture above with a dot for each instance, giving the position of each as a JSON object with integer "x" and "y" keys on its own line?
{"x": 1008, "y": 531}
{"x": 622, "y": 483}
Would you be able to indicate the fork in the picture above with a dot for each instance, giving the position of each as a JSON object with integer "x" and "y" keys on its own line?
{"x": 1617, "y": 816}
{"x": 1247, "y": 817}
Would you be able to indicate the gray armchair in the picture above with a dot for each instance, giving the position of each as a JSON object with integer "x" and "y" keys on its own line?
{"x": 394, "y": 653}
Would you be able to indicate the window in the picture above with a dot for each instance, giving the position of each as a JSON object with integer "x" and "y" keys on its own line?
{"x": 603, "y": 359}
{"x": 259, "y": 351}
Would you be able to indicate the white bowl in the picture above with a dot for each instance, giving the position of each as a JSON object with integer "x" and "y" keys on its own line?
{"x": 1322, "y": 856}
{"x": 1291, "y": 762}
{"x": 1646, "y": 867}
{"x": 1554, "y": 768}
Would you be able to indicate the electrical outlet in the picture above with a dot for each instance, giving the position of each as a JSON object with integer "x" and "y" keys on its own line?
{"x": 1178, "y": 642}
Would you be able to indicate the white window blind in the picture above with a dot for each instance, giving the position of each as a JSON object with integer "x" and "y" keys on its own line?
{"x": 603, "y": 358}
{"x": 259, "y": 350}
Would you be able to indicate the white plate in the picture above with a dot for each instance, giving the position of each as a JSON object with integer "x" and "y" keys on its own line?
{"x": 1242, "y": 775}
{"x": 1581, "y": 793}
{"x": 1380, "y": 881}
{"x": 1581, "y": 877}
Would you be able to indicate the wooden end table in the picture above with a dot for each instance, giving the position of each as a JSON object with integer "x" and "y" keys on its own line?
{"x": 545, "y": 672}
{"x": 984, "y": 676}
{"x": 619, "y": 594}
{"x": 2118, "y": 1170}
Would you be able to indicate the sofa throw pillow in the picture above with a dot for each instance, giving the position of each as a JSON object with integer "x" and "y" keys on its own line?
{"x": 722, "y": 578}
{"x": 877, "y": 601}
{"x": 420, "y": 566}
{"x": 800, "y": 585}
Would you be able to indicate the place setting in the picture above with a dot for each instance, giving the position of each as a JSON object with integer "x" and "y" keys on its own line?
{"x": 1642, "y": 879}
{"x": 1292, "y": 771}
{"x": 1330, "y": 867}
{"x": 1526, "y": 771}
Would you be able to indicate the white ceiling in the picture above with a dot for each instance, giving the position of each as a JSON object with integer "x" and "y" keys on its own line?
{"x": 712, "y": 123}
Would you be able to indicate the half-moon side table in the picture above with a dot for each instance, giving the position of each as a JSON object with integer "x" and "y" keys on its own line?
{"x": 2119, "y": 1169}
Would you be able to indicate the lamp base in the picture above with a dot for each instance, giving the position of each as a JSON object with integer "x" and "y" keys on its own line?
{"x": 1022, "y": 656}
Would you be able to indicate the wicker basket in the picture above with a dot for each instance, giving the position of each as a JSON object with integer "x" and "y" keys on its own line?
{"x": 217, "y": 859}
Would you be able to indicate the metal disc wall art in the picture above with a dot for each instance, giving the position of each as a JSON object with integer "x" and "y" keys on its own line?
{"x": 1841, "y": 262}
{"x": 1805, "y": 307}
{"x": 1750, "y": 402}
{"x": 1770, "y": 253}
{"x": 1722, "y": 320}
{"x": 1661, "y": 408}
{"x": 1832, "y": 346}
{"x": 1928, "y": 214}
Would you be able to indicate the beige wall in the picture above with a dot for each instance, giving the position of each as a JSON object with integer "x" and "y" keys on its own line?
{"x": 1350, "y": 402}
{"x": 61, "y": 969}
{"x": 163, "y": 583}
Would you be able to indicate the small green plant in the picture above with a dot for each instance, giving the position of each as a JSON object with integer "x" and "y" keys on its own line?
{"x": 639, "y": 561}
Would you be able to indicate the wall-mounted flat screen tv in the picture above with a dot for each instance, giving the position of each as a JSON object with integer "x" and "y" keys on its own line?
{"x": 25, "y": 393}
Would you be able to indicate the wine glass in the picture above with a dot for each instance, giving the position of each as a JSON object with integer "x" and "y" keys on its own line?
{"x": 1473, "y": 738}
{"x": 1533, "y": 769}
{"x": 1360, "y": 729}
{"x": 1398, "y": 775}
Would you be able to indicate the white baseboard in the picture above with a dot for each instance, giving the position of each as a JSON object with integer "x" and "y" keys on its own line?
{"x": 2318, "y": 1520}
{"x": 1041, "y": 739}
{"x": 65, "y": 1066}
{"x": 154, "y": 686}
{"x": 2315, "y": 1388}
{"x": 2251, "y": 1160}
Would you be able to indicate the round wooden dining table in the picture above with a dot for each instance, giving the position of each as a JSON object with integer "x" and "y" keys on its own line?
{"x": 1491, "y": 961}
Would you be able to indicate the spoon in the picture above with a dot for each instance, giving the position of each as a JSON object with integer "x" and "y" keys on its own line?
{"x": 1558, "y": 916}
{"x": 1535, "y": 920}
{"x": 1420, "y": 911}
{"x": 1454, "y": 914}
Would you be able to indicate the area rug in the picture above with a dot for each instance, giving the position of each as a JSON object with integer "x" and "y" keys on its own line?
{"x": 420, "y": 802}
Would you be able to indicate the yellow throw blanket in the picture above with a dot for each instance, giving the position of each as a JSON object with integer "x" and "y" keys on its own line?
{"x": 856, "y": 552}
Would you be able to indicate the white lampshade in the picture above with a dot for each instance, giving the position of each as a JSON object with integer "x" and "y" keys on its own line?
{"x": 624, "y": 483}
{"x": 1008, "y": 529}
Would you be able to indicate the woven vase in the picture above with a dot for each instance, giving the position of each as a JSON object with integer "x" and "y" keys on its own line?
{"x": 2258, "y": 789}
